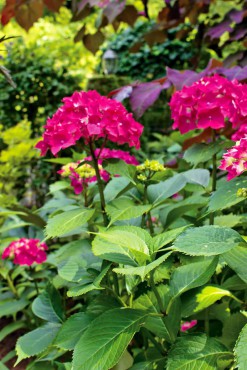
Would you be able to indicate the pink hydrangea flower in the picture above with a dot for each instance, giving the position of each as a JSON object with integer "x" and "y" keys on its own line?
{"x": 240, "y": 133}
{"x": 208, "y": 103}
{"x": 188, "y": 325}
{"x": 89, "y": 116}
{"x": 26, "y": 251}
{"x": 80, "y": 176}
{"x": 235, "y": 159}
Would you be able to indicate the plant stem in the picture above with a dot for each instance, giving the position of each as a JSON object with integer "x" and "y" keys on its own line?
{"x": 156, "y": 293}
{"x": 34, "y": 281}
{"x": 156, "y": 344}
{"x": 206, "y": 321}
{"x": 100, "y": 183}
{"x": 115, "y": 282}
{"x": 150, "y": 223}
{"x": 11, "y": 286}
{"x": 116, "y": 296}
{"x": 214, "y": 172}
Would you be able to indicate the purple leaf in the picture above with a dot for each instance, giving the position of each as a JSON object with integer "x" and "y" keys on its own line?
{"x": 235, "y": 72}
{"x": 181, "y": 78}
{"x": 236, "y": 15}
{"x": 239, "y": 33}
{"x": 123, "y": 93}
{"x": 113, "y": 9}
{"x": 216, "y": 31}
{"x": 144, "y": 95}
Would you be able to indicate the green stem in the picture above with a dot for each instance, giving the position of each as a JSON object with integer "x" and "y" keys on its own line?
{"x": 156, "y": 344}
{"x": 11, "y": 286}
{"x": 150, "y": 223}
{"x": 116, "y": 296}
{"x": 99, "y": 182}
{"x": 214, "y": 172}
{"x": 156, "y": 293}
{"x": 115, "y": 282}
{"x": 206, "y": 325}
{"x": 144, "y": 202}
{"x": 34, "y": 281}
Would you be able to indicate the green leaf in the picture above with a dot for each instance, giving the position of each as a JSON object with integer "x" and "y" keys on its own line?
{"x": 203, "y": 298}
{"x": 103, "y": 343}
{"x": 234, "y": 283}
{"x": 165, "y": 238}
{"x": 142, "y": 271}
{"x": 240, "y": 350}
{"x": 10, "y": 307}
{"x": 172, "y": 212}
{"x": 36, "y": 341}
{"x": 114, "y": 187}
{"x": 237, "y": 260}
{"x": 66, "y": 222}
{"x": 125, "y": 209}
{"x": 231, "y": 329}
{"x": 119, "y": 167}
{"x": 58, "y": 185}
{"x": 226, "y": 194}
{"x": 71, "y": 330}
{"x": 156, "y": 324}
{"x": 193, "y": 352}
{"x": 10, "y": 328}
{"x": 207, "y": 241}
{"x": 201, "y": 153}
{"x": 48, "y": 305}
{"x": 192, "y": 275}
{"x": 157, "y": 194}
{"x": 85, "y": 288}
{"x": 229, "y": 220}
{"x": 122, "y": 244}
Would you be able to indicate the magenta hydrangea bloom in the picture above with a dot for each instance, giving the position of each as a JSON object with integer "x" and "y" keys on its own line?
{"x": 26, "y": 251}
{"x": 235, "y": 159}
{"x": 81, "y": 175}
{"x": 89, "y": 116}
{"x": 209, "y": 103}
{"x": 188, "y": 325}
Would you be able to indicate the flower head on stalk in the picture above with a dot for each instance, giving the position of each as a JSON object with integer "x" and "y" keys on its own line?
{"x": 26, "y": 251}
{"x": 235, "y": 159}
{"x": 209, "y": 103}
{"x": 82, "y": 174}
{"x": 188, "y": 325}
{"x": 89, "y": 116}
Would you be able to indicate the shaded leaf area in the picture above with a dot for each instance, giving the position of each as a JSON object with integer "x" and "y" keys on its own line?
{"x": 118, "y": 326}
{"x": 240, "y": 350}
{"x": 195, "y": 352}
{"x": 48, "y": 305}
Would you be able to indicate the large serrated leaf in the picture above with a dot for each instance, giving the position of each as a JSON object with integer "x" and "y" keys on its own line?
{"x": 192, "y": 276}
{"x": 201, "y": 153}
{"x": 66, "y": 222}
{"x": 237, "y": 260}
{"x": 81, "y": 289}
{"x": 207, "y": 241}
{"x": 226, "y": 194}
{"x": 142, "y": 271}
{"x": 123, "y": 244}
{"x": 71, "y": 330}
{"x": 193, "y": 352}
{"x": 157, "y": 194}
{"x": 103, "y": 343}
{"x": 125, "y": 209}
{"x": 165, "y": 238}
{"x": 10, "y": 307}
{"x": 231, "y": 329}
{"x": 48, "y": 305}
{"x": 36, "y": 341}
{"x": 240, "y": 350}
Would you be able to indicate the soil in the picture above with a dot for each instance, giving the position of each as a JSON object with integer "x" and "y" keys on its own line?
{"x": 8, "y": 344}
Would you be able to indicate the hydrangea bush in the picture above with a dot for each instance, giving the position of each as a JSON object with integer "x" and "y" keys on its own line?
{"x": 146, "y": 257}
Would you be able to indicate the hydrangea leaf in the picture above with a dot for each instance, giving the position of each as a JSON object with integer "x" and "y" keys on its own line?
{"x": 195, "y": 352}
{"x": 66, "y": 222}
{"x": 240, "y": 350}
{"x": 207, "y": 241}
{"x": 237, "y": 260}
{"x": 96, "y": 351}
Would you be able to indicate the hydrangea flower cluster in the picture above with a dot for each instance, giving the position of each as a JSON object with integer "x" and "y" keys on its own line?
{"x": 209, "y": 102}
{"x": 81, "y": 175}
{"x": 89, "y": 116}
{"x": 26, "y": 251}
{"x": 148, "y": 168}
{"x": 235, "y": 159}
